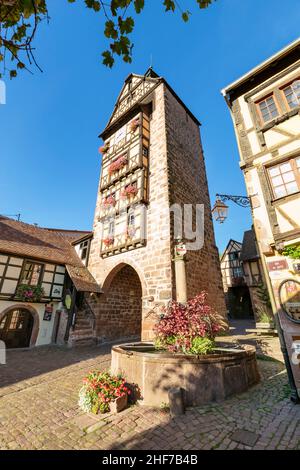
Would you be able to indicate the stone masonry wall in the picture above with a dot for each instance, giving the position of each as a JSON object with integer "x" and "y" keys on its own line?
{"x": 176, "y": 174}
{"x": 188, "y": 185}
{"x": 153, "y": 261}
{"x": 120, "y": 311}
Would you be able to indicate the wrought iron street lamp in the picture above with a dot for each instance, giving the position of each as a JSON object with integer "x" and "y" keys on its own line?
{"x": 220, "y": 209}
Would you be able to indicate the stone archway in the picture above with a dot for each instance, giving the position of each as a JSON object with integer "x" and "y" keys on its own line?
{"x": 32, "y": 321}
{"x": 120, "y": 308}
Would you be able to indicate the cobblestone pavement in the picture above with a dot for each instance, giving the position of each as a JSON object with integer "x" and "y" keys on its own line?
{"x": 38, "y": 410}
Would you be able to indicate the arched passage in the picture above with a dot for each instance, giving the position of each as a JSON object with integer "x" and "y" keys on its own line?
{"x": 120, "y": 314}
{"x": 19, "y": 326}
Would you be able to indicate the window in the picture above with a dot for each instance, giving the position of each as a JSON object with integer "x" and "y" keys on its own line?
{"x": 83, "y": 247}
{"x": 285, "y": 178}
{"x": 31, "y": 273}
{"x": 267, "y": 109}
{"x": 131, "y": 219}
{"x": 237, "y": 272}
{"x": 111, "y": 228}
{"x": 292, "y": 94}
{"x": 234, "y": 256}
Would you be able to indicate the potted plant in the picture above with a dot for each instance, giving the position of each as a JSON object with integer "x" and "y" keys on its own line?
{"x": 28, "y": 293}
{"x": 188, "y": 328}
{"x": 103, "y": 392}
{"x": 108, "y": 241}
{"x": 117, "y": 164}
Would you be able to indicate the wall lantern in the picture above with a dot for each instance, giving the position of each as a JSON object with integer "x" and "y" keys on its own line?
{"x": 220, "y": 211}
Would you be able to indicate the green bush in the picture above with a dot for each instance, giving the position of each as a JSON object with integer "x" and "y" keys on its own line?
{"x": 292, "y": 251}
{"x": 201, "y": 346}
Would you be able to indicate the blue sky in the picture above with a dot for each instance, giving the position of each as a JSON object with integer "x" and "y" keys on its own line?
{"x": 49, "y": 127}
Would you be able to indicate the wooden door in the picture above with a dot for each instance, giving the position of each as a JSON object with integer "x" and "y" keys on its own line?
{"x": 16, "y": 328}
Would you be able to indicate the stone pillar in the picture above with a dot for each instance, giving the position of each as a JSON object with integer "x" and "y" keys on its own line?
{"x": 180, "y": 272}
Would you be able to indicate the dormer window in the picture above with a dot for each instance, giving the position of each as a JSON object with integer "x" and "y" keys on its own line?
{"x": 267, "y": 109}
{"x": 83, "y": 249}
{"x": 292, "y": 94}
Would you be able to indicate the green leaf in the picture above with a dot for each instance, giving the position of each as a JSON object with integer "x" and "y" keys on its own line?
{"x": 139, "y": 5}
{"x": 108, "y": 59}
{"x": 186, "y": 16}
{"x": 170, "y": 5}
{"x": 126, "y": 26}
{"x": 110, "y": 30}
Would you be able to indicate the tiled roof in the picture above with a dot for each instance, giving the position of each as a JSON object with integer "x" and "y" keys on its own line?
{"x": 28, "y": 240}
{"x": 82, "y": 279}
{"x": 19, "y": 238}
{"x": 72, "y": 235}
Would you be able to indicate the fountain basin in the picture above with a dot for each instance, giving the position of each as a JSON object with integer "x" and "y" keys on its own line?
{"x": 204, "y": 379}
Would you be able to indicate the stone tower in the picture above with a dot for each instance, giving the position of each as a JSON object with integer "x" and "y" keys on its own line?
{"x": 152, "y": 159}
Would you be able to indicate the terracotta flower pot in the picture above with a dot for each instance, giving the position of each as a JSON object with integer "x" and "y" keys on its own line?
{"x": 119, "y": 404}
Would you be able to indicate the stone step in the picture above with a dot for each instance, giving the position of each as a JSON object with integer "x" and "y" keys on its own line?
{"x": 84, "y": 341}
{"x": 82, "y": 332}
{"x": 82, "y": 323}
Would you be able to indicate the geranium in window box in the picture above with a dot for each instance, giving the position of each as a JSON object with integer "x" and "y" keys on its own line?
{"x": 28, "y": 293}
{"x": 102, "y": 392}
{"x": 104, "y": 149}
{"x": 108, "y": 241}
{"x": 109, "y": 201}
{"x": 134, "y": 124}
{"x": 117, "y": 164}
{"x": 130, "y": 190}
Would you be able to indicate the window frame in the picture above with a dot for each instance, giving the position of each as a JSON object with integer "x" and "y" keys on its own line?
{"x": 296, "y": 173}
{"x": 258, "y": 110}
{"x": 41, "y": 273}
{"x": 283, "y": 87}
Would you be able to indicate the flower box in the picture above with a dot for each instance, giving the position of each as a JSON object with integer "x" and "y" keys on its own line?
{"x": 130, "y": 190}
{"x": 119, "y": 404}
{"x": 108, "y": 241}
{"x": 104, "y": 149}
{"x": 109, "y": 201}
{"x": 103, "y": 392}
{"x": 28, "y": 293}
{"x": 117, "y": 164}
